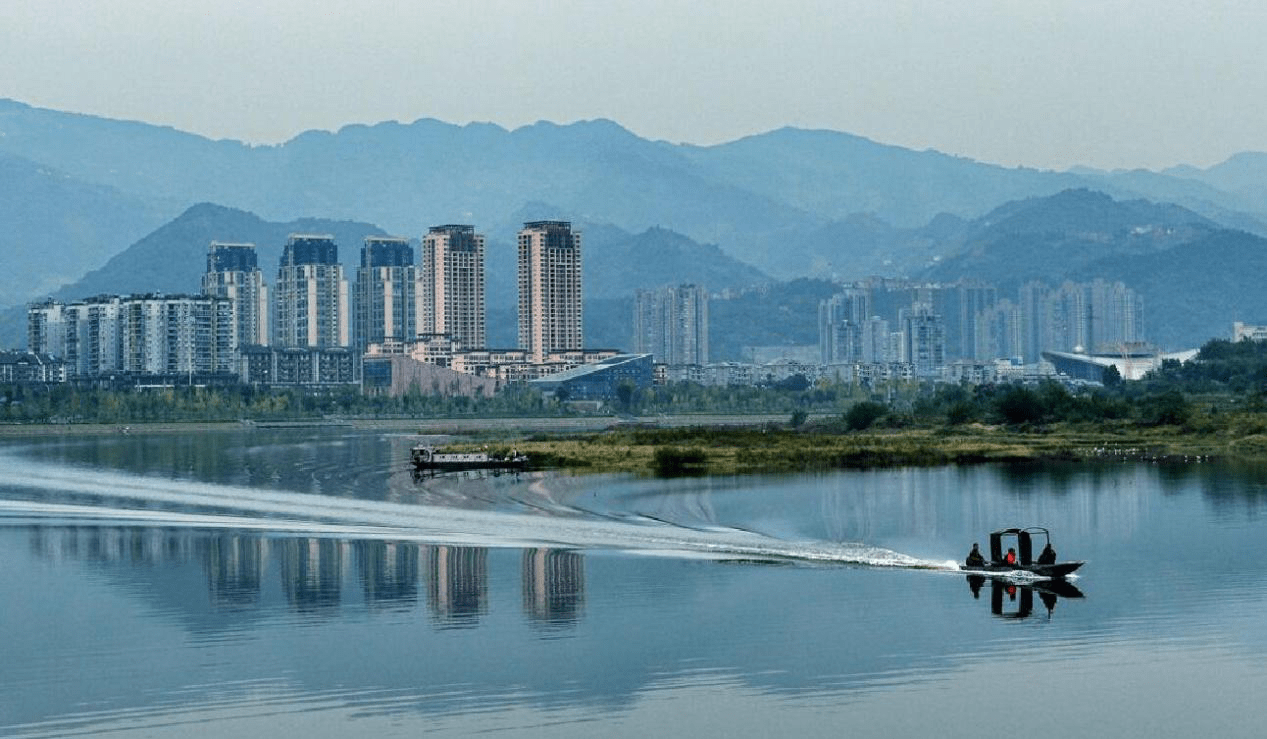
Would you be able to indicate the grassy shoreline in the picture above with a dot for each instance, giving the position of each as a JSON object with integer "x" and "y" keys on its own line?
{"x": 766, "y": 449}
{"x": 736, "y": 444}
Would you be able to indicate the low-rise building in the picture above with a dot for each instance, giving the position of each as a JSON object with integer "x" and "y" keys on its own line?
{"x": 1131, "y": 364}
{"x": 1242, "y": 331}
{"x": 500, "y": 366}
{"x": 398, "y": 374}
{"x": 299, "y": 366}
{"x": 599, "y": 380}
{"x": 25, "y": 367}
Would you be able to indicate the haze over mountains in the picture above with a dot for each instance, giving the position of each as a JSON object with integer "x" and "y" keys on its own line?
{"x": 80, "y": 191}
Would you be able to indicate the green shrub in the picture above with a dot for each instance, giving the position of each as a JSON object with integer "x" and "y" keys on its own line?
{"x": 1018, "y": 405}
{"x": 863, "y": 414}
{"x": 671, "y": 461}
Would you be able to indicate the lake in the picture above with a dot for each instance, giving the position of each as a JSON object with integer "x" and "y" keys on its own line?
{"x": 303, "y": 582}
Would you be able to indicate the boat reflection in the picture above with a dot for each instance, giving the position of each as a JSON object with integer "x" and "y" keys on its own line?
{"x": 1015, "y": 600}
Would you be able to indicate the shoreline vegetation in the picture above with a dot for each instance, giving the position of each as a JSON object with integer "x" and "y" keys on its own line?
{"x": 741, "y": 444}
{"x": 735, "y": 450}
{"x": 1213, "y": 407}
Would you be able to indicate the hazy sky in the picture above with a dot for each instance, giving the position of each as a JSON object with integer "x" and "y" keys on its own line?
{"x": 1133, "y": 83}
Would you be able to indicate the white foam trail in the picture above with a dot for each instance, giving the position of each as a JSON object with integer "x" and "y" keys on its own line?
{"x": 23, "y": 510}
{"x": 232, "y": 507}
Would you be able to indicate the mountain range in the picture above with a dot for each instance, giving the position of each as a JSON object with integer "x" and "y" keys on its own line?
{"x": 80, "y": 191}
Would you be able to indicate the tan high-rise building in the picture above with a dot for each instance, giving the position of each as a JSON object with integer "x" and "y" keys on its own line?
{"x": 451, "y": 293}
{"x": 550, "y": 316}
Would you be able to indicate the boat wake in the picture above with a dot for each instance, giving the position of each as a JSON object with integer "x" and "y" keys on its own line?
{"x": 37, "y": 494}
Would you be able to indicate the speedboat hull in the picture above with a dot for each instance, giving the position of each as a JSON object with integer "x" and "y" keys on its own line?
{"x": 1054, "y": 571}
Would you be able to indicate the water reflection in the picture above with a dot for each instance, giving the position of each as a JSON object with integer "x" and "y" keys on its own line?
{"x": 457, "y": 584}
{"x": 223, "y": 630}
{"x": 389, "y": 572}
{"x": 313, "y": 572}
{"x": 122, "y": 544}
{"x": 1014, "y": 600}
{"x": 235, "y": 571}
{"x": 553, "y": 586}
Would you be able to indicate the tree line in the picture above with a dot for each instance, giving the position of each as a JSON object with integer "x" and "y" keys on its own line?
{"x": 1229, "y": 375}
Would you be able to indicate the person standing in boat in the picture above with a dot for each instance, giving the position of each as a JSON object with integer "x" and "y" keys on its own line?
{"x": 974, "y": 558}
{"x": 1009, "y": 559}
{"x": 1047, "y": 556}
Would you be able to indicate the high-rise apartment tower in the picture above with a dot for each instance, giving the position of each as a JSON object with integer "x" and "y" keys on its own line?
{"x": 550, "y": 316}
{"x": 311, "y": 294}
{"x": 451, "y": 294}
{"x": 385, "y": 297}
{"x": 233, "y": 273}
{"x": 671, "y": 323}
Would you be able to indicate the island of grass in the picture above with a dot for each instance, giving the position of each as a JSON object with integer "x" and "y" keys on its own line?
{"x": 770, "y": 448}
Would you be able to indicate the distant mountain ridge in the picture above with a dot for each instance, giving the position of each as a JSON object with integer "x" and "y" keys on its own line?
{"x": 1045, "y": 238}
{"x": 786, "y": 204}
{"x": 1195, "y": 277}
{"x": 56, "y": 227}
{"x": 779, "y": 201}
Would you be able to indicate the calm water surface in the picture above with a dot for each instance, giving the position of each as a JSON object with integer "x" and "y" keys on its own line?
{"x": 268, "y": 583}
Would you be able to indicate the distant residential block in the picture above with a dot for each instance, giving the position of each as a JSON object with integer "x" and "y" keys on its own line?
{"x": 550, "y": 313}
{"x": 1243, "y": 331}
{"x": 143, "y": 335}
{"x": 385, "y": 298}
{"x": 671, "y": 324}
{"x": 923, "y": 339}
{"x": 975, "y": 324}
{"x": 451, "y": 294}
{"x": 310, "y": 307}
{"x": 234, "y": 274}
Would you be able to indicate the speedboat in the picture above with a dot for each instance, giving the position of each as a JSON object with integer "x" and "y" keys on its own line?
{"x": 1025, "y": 562}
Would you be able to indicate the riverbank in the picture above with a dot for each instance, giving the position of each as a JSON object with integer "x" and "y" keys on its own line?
{"x": 764, "y": 449}
{"x": 508, "y": 427}
{"x": 740, "y": 444}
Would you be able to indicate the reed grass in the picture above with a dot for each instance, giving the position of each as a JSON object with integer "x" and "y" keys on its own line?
{"x": 768, "y": 449}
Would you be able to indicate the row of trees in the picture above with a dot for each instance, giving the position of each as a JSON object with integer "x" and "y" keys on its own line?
{"x": 895, "y": 405}
{"x": 1236, "y": 372}
{"x": 1231, "y": 375}
{"x": 65, "y": 403}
